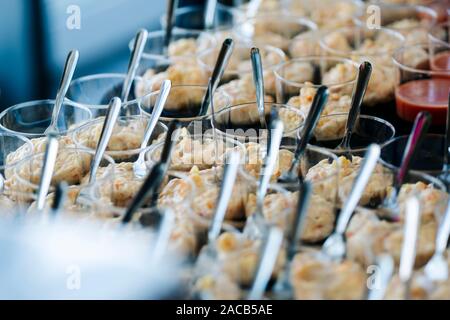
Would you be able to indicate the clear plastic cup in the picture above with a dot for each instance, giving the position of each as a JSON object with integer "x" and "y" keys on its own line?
{"x": 192, "y": 18}
{"x": 203, "y": 151}
{"x": 331, "y": 128}
{"x": 241, "y": 122}
{"x": 31, "y": 119}
{"x": 296, "y": 75}
{"x": 276, "y": 30}
{"x": 126, "y": 139}
{"x": 95, "y": 92}
{"x": 183, "y": 104}
{"x": 72, "y": 166}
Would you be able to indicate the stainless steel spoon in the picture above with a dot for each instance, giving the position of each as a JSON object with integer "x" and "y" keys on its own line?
{"x": 139, "y": 167}
{"x": 268, "y": 257}
{"x": 334, "y": 247}
{"x": 221, "y": 63}
{"x": 365, "y": 71}
{"x": 210, "y": 13}
{"x": 389, "y": 207}
{"x": 317, "y": 106}
{"x": 51, "y": 152}
{"x": 258, "y": 79}
{"x": 69, "y": 70}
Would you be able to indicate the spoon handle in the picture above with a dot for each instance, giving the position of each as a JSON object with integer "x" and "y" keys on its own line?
{"x": 157, "y": 110}
{"x": 226, "y": 189}
{"x": 108, "y": 125}
{"x": 299, "y": 219}
{"x": 443, "y": 232}
{"x": 217, "y": 74}
{"x": 210, "y": 13}
{"x": 155, "y": 178}
{"x": 51, "y": 152}
{"x": 317, "y": 106}
{"x": 136, "y": 54}
{"x": 60, "y": 197}
{"x": 148, "y": 187}
{"x": 268, "y": 258}
{"x": 408, "y": 253}
{"x": 368, "y": 165}
{"x": 69, "y": 70}
{"x": 171, "y": 6}
{"x": 420, "y": 129}
{"x": 258, "y": 79}
{"x": 276, "y": 134}
{"x": 365, "y": 71}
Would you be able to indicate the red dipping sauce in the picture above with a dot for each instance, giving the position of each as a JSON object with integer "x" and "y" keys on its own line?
{"x": 423, "y": 95}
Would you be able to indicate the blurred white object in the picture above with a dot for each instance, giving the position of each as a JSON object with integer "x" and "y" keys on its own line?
{"x": 69, "y": 259}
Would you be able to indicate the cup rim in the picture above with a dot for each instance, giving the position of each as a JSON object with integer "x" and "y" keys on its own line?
{"x": 190, "y": 8}
{"x": 100, "y": 76}
{"x": 359, "y": 53}
{"x": 400, "y": 65}
{"x": 175, "y": 30}
{"x": 323, "y": 151}
{"x": 183, "y": 119}
{"x": 29, "y": 158}
{"x": 252, "y": 103}
{"x": 405, "y": 137}
{"x": 314, "y": 57}
{"x": 373, "y": 118}
{"x": 41, "y": 102}
{"x": 415, "y": 173}
{"x": 311, "y": 25}
{"x": 241, "y": 44}
{"x": 151, "y": 149}
{"x": 114, "y": 153}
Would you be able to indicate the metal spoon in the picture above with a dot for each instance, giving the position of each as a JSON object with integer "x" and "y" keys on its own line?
{"x": 226, "y": 189}
{"x": 108, "y": 125}
{"x": 365, "y": 71}
{"x": 420, "y": 128}
{"x": 210, "y": 13}
{"x": 221, "y": 63}
{"x": 155, "y": 178}
{"x": 69, "y": 70}
{"x": 334, "y": 246}
{"x": 410, "y": 237}
{"x": 384, "y": 272}
{"x": 135, "y": 58}
{"x": 283, "y": 287}
{"x": 139, "y": 167}
{"x": 51, "y": 152}
{"x": 171, "y": 6}
{"x": 268, "y": 258}
{"x": 317, "y": 106}
{"x": 270, "y": 161}
{"x": 437, "y": 268}
{"x": 258, "y": 79}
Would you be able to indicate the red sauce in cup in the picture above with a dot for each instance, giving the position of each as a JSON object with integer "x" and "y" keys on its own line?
{"x": 423, "y": 95}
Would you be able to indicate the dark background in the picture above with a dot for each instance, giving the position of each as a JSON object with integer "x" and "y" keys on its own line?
{"x": 34, "y": 41}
